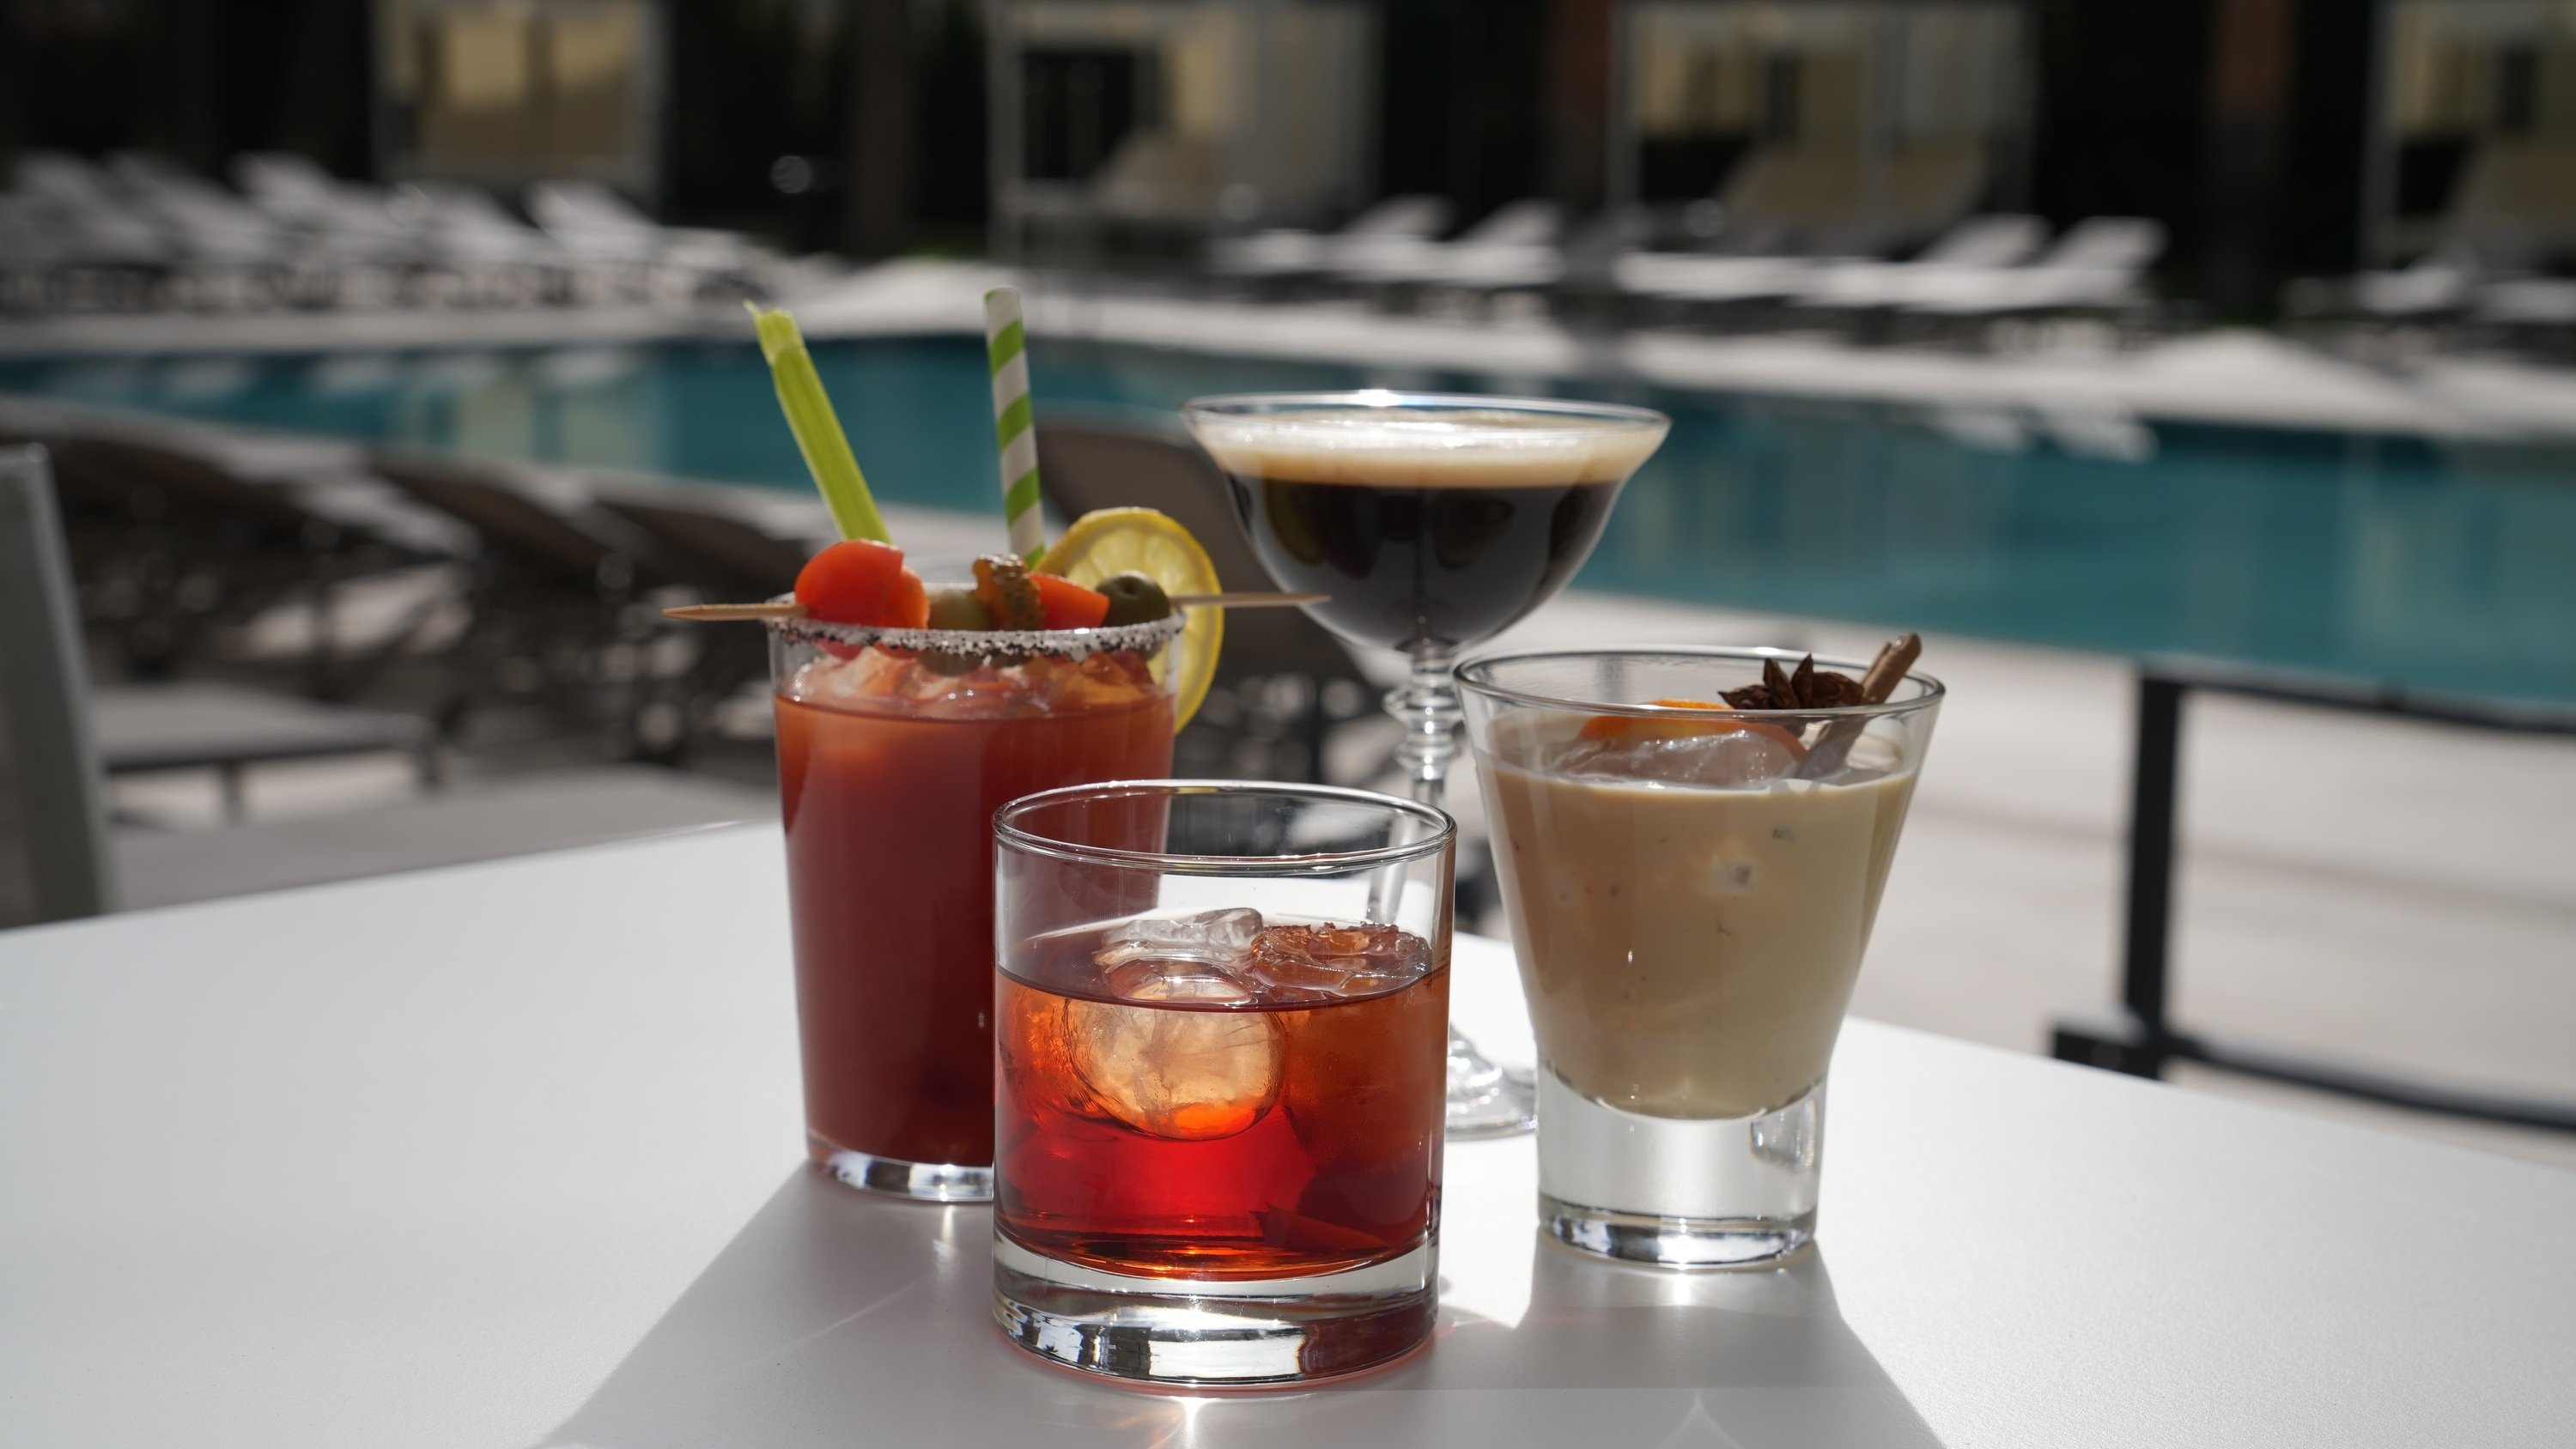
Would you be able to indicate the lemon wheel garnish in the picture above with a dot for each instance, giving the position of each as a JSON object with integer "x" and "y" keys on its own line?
{"x": 1115, "y": 540}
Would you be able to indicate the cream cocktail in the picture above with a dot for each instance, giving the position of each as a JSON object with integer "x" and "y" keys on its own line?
{"x": 1688, "y": 948}
{"x": 1691, "y": 861}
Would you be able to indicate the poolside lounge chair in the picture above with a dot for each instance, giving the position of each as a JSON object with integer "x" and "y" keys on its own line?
{"x": 346, "y": 227}
{"x": 81, "y": 242}
{"x": 2529, "y": 302}
{"x": 552, "y": 535}
{"x": 2100, "y": 264}
{"x": 561, "y": 601}
{"x": 209, "y": 223}
{"x": 496, "y": 256}
{"x": 1284, "y": 252}
{"x": 2439, "y": 283}
{"x": 58, "y": 859}
{"x": 173, "y": 543}
{"x": 728, "y": 554}
{"x": 595, "y": 225}
{"x": 1514, "y": 246}
{"x": 1974, "y": 248}
{"x": 89, "y": 207}
{"x": 1709, "y": 277}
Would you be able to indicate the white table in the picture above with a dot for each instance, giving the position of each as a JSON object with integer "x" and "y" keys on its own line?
{"x": 509, "y": 1155}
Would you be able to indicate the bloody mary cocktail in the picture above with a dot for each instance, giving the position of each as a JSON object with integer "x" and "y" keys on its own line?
{"x": 892, "y": 758}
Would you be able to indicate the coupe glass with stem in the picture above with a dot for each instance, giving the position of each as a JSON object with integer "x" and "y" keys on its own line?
{"x": 1431, "y": 522}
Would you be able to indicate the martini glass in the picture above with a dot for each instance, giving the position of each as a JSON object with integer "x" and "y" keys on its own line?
{"x": 1432, "y": 523}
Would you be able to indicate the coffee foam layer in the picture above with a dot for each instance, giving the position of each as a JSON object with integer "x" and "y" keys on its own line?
{"x": 1366, "y": 446}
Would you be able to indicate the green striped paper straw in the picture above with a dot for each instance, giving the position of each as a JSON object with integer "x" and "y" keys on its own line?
{"x": 1006, "y": 341}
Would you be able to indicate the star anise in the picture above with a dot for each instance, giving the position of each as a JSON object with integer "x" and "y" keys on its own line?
{"x": 1806, "y": 687}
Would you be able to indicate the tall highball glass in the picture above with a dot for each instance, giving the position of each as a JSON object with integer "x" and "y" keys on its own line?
{"x": 1432, "y": 523}
{"x": 895, "y": 747}
{"x": 1691, "y": 888}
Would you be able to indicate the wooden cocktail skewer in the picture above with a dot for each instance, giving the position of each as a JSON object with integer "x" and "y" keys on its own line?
{"x": 1248, "y": 600}
{"x": 724, "y": 613}
{"x": 785, "y": 609}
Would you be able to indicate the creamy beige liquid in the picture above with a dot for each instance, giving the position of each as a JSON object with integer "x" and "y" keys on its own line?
{"x": 1688, "y": 951}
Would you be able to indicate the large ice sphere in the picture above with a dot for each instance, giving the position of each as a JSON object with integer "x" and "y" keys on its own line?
{"x": 1325, "y": 963}
{"x": 1210, "y": 938}
{"x": 1191, "y": 1071}
{"x": 1730, "y": 759}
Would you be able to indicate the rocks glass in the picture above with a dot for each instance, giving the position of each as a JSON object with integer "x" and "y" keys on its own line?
{"x": 1220, "y": 1019}
{"x": 1690, "y": 892}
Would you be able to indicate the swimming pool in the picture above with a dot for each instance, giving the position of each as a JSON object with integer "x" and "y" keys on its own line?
{"x": 2439, "y": 565}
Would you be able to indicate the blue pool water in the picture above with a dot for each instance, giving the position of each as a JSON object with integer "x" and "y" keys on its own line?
{"x": 2439, "y": 565}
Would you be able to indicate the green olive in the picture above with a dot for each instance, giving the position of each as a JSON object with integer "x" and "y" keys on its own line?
{"x": 1134, "y": 599}
{"x": 959, "y": 609}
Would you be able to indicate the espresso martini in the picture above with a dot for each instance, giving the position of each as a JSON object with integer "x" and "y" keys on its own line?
{"x": 1429, "y": 523}
{"x": 1429, "y": 528}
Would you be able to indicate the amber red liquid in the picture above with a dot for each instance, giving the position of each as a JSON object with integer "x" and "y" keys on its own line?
{"x": 1341, "y": 1168}
{"x": 890, "y": 885}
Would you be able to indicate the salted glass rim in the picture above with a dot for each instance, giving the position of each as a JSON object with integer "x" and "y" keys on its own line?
{"x": 1476, "y": 676}
{"x": 1286, "y": 408}
{"x": 1008, "y": 831}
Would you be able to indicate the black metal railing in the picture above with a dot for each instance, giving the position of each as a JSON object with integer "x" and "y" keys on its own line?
{"x": 2140, "y": 1036}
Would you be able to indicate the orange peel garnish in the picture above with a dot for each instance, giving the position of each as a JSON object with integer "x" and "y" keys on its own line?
{"x": 1659, "y": 727}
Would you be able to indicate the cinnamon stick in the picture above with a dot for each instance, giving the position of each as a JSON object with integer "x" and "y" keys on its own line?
{"x": 1886, "y": 672}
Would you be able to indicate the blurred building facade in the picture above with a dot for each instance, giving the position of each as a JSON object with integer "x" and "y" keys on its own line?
{"x": 1181, "y": 115}
{"x": 1872, "y": 122}
{"x": 2473, "y": 140}
{"x": 504, "y": 92}
{"x": 2271, "y": 137}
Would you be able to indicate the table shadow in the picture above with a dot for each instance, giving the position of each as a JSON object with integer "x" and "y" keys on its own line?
{"x": 837, "y": 1318}
{"x": 1648, "y": 1356}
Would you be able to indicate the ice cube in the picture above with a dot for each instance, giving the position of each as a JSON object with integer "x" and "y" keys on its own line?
{"x": 1210, "y": 938}
{"x": 1729, "y": 759}
{"x": 1323, "y": 963}
{"x": 1191, "y": 1071}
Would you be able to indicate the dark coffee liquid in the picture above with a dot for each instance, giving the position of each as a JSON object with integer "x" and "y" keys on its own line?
{"x": 1410, "y": 566}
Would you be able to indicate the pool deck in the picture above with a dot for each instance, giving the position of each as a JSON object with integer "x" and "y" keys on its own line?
{"x": 2074, "y": 392}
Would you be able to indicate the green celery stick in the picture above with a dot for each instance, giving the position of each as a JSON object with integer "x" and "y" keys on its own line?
{"x": 818, "y": 432}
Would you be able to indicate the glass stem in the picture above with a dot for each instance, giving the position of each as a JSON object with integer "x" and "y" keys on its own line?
{"x": 1484, "y": 1100}
{"x": 1426, "y": 704}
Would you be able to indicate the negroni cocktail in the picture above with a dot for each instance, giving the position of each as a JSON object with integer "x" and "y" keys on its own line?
{"x": 1219, "y": 1128}
{"x": 1220, "y": 1095}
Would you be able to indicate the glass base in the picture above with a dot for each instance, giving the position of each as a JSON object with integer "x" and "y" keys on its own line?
{"x": 1486, "y": 1100}
{"x": 1676, "y": 1242}
{"x": 1732, "y": 1192}
{"x": 921, "y": 1181}
{"x": 1215, "y": 1334}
